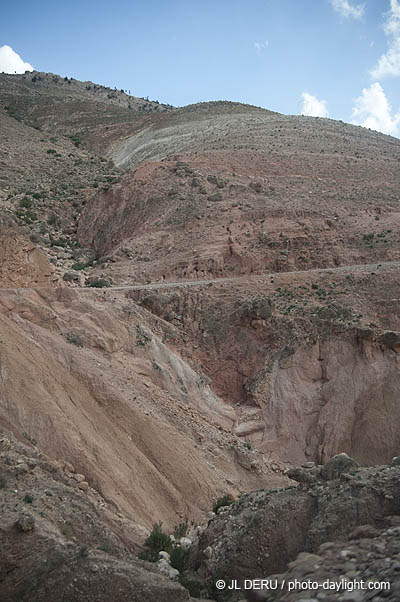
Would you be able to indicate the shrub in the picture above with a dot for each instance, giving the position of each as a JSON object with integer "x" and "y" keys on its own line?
{"x": 76, "y": 139}
{"x": 74, "y": 339}
{"x": 155, "y": 543}
{"x": 181, "y": 530}
{"x": 51, "y": 151}
{"x": 225, "y": 500}
{"x": 28, "y": 499}
{"x": 3, "y": 482}
{"x": 59, "y": 242}
{"x": 83, "y": 551}
{"x": 195, "y": 588}
{"x": 25, "y": 202}
{"x": 78, "y": 266}
{"x": 99, "y": 283}
{"x": 29, "y": 438}
{"x": 106, "y": 547}
{"x": 179, "y": 558}
{"x": 52, "y": 219}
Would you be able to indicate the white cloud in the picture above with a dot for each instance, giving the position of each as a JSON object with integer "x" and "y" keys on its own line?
{"x": 260, "y": 46}
{"x": 372, "y": 110}
{"x": 389, "y": 63}
{"x": 11, "y": 62}
{"x": 346, "y": 9}
{"x": 313, "y": 107}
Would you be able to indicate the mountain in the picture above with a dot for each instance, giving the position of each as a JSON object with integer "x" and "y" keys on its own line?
{"x": 193, "y": 300}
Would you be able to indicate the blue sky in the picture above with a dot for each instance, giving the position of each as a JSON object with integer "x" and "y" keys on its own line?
{"x": 336, "y": 58}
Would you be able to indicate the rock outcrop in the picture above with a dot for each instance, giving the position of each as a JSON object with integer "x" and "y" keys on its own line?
{"x": 265, "y": 530}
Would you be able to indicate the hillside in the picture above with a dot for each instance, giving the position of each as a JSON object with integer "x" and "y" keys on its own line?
{"x": 192, "y": 301}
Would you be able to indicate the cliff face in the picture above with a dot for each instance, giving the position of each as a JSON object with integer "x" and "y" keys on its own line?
{"x": 337, "y": 395}
{"x": 306, "y": 372}
{"x": 22, "y": 263}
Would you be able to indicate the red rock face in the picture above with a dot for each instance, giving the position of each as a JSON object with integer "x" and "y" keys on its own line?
{"x": 22, "y": 264}
{"x": 282, "y": 194}
{"x": 267, "y": 198}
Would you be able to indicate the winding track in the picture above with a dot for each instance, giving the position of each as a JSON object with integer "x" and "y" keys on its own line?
{"x": 363, "y": 267}
{"x": 384, "y": 266}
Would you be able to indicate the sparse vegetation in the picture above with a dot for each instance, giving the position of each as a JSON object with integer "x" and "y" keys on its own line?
{"x": 181, "y": 529}
{"x": 156, "y": 542}
{"x": 59, "y": 242}
{"x": 195, "y": 588}
{"x": 52, "y": 220}
{"x": 76, "y": 139}
{"x": 29, "y": 438}
{"x": 78, "y": 266}
{"x": 99, "y": 283}
{"x": 25, "y": 202}
{"x": 159, "y": 541}
{"x": 74, "y": 339}
{"x": 225, "y": 500}
{"x": 178, "y": 558}
{"x": 83, "y": 551}
{"x": 106, "y": 546}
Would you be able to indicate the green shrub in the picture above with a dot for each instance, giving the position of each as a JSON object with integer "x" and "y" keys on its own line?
{"x": 29, "y": 217}
{"x": 52, "y": 219}
{"x": 179, "y": 558}
{"x": 28, "y": 499}
{"x": 78, "y": 266}
{"x": 76, "y": 139}
{"x": 99, "y": 283}
{"x": 181, "y": 529}
{"x": 225, "y": 500}
{"x": 51, "y": 151}
{"x": 106, "y": 546}
{"x": 3, "y": 482}
{"x": 29, "y": 438}
{"x": 59, "y": 242}
{"x": 83, "y": 551}
{"x": 156, "y": 542}
{"x": 195, "y": 588}
{"x": 25, "y": 202}
{"x": 74, "y": 339}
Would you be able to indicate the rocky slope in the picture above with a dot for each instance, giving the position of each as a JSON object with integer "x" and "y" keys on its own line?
{"x": 252, "y": 191}
{"x": 61, "y": 540}
{"x": 121, "y": 406}
{"x": 257, "y": 536}
{"x": 308, "y": 361}
{"x": 65, "y": 105}
{"x": 149, "y": 404}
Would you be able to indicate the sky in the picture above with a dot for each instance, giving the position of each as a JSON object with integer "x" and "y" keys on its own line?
{"x": 326, "y": 58}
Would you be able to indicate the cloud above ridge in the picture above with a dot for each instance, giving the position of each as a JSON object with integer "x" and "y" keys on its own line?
{"x": 11, "y": 62}
{"x": 372, "y": 110}
{"x": 313, "y": 107}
